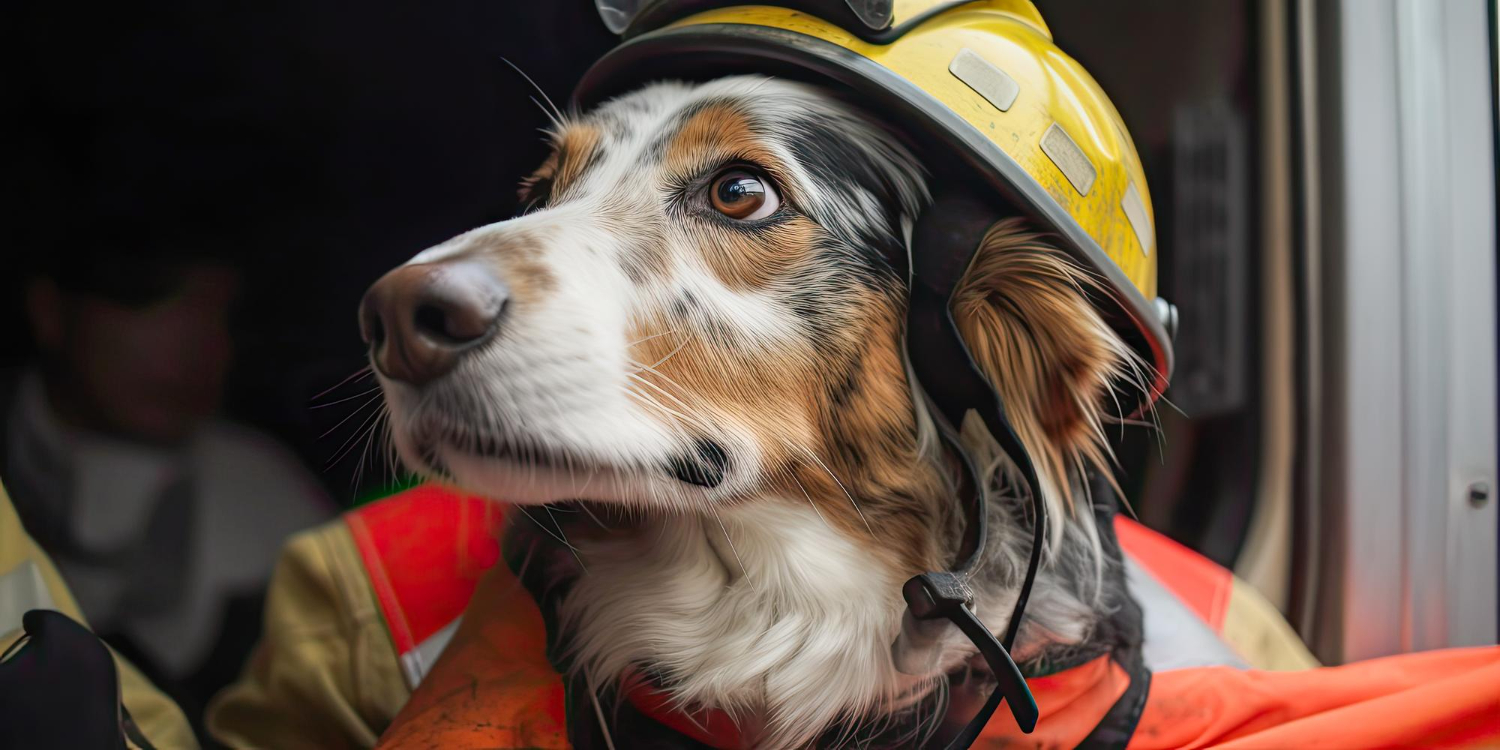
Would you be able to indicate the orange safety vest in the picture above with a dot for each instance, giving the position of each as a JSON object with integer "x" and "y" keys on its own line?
{"x": 494, "y": 686}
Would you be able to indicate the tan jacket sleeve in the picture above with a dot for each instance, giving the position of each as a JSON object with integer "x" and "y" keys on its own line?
{"x": 1255, "y": 629}
{"x": 325, "y": 674}
{"x": 28, "y": 580}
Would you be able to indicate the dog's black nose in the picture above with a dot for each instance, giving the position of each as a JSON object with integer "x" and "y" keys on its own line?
{"x": 419, "y": 319}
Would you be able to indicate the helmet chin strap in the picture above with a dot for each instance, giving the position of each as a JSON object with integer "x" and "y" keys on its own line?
{"x": 943, "y": 246}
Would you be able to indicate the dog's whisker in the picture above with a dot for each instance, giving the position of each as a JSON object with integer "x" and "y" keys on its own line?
{"x": 652, "y": 336}
{"x": 357, "y": 375}
{"x": 364, "y": 453}
{"x": 555, "y": 114}
{"x": 743, "y": 570}
{"x": 637, "y": 376}
{"x": 810, "y": 502}
{"x": 686, "y": 412}
{"x": 556, "y": 121}
{"x": 348, "y": 445}
{"x": 653, "y": 403}
{"x": 837, "y": 481}
{"x": 376, "y": 389}
{"x": 609, "y": 740}
{"x": 350, "y": 415}
{"x": 671, "y": 354}
{"x": 588, "y": 482}
{"x": 561, "y": 540}
{"x": 590, "y": 513}
{"x": 640, "y": 367}
{"x": 564, "y": 537}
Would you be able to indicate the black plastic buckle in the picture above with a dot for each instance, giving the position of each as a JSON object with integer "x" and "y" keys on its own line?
{"x": 944, "y": 595}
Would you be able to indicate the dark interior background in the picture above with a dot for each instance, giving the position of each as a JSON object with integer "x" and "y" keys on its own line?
{"x": 316, "y": 143}
{"x": 321, "y": 143}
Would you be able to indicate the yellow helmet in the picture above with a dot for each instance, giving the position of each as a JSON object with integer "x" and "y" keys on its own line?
{"x": 979, "y": 86}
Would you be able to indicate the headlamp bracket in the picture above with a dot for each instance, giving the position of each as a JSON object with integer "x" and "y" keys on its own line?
{"x": 873, "y": 21}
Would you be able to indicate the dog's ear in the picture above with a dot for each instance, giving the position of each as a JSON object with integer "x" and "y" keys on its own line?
{"x": 1023, "y": 309}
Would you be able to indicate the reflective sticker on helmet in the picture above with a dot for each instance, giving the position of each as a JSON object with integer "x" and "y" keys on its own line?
{"x": 1065, "y": 153}
{"x": 1135, "y": 211}
{"x": 987, "y": 80}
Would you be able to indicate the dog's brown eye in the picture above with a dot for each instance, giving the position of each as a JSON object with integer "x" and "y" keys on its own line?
{"x": 740, "y": 194}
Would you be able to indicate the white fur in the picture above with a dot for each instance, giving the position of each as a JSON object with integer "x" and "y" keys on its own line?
{"x": 791, "y": 625}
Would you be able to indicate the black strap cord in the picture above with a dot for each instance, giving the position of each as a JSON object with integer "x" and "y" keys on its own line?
{"x": 944, "y": 243}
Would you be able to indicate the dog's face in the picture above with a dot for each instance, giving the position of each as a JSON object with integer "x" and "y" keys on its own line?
{"x": 697, "y": 303}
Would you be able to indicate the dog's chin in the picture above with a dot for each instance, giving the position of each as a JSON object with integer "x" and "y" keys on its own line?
{"x": 534, "y": 470}
{"x": 528, "y": 483}
{"x": 559, "y": 479}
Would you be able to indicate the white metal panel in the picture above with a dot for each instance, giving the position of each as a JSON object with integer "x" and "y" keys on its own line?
{"x": 1463, "y": 46}
{"x": 1415, "y": 327}
{"x": 1368, "y": 275}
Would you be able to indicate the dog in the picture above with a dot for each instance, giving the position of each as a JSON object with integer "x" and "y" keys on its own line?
{"x": 684, "y": 362}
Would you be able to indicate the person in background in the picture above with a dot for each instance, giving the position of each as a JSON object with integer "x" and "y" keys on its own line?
{"x": 164, "y": 517}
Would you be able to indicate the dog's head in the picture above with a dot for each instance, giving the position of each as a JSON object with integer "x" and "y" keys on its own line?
{"x": 702, "y": 308}
{"x": 699, "y": 304}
